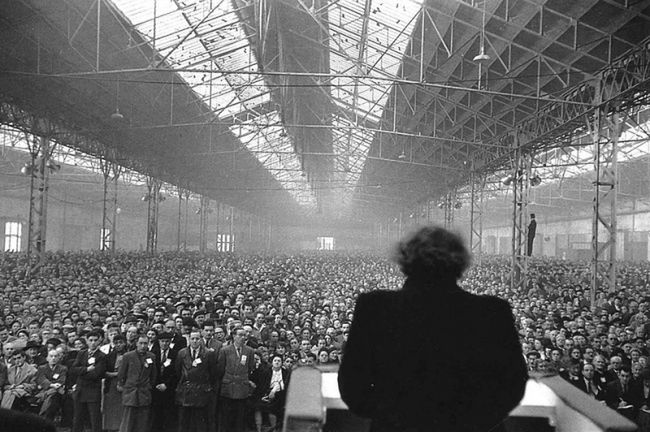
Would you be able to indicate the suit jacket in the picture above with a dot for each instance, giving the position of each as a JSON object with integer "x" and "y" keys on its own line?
{"x": 89, "y": 384}
{"x": 235, "y": 371}
{"x": 598, "y": 390}
{"x": 212, "y": 344}
{"x": 137, "y": 376}
{"x": 45, "y": 376}
{"x": 196, "y": 379}
{"x": 447, "y": 360}
{"x": 178, "y": 343}
{"x": 166, "y": 375}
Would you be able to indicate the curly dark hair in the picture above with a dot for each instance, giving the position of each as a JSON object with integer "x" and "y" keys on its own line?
{"x": 432, "y": 252}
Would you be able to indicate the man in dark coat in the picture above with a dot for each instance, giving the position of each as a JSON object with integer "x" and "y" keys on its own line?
{"x": 235, "y": 365}
{"x": 196, "y": 371}
{"x": 447, "y": 360}
{"x": 89, "y": 367}
{"x": 165, "y": 416}
{"x": 135, "y": 379}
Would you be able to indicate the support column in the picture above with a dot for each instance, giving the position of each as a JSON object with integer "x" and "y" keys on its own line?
{"x": 476, "y": 216}
{"x": 231, "y": 234}
{"x": 605, "y": 130}
{"x": 153, "y": 202}
{"x": 40, "y": 152}
{"x": 203, "y": 223}
{"x": 179, "y": 218}
{"x": 520, "y": 189}
{"x": 111, "y": 172}
{"x": 450, "y": 202}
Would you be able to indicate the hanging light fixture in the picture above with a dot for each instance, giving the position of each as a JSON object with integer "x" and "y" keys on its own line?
{"x": 482, "y": 57}
{"x": 117, "y": 115}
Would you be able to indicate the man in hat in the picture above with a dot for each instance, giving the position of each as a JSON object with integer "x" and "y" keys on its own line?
{"x": 135, "y": 379}
{"x": 165, "y": 414}
{"x": 32, "y": 352}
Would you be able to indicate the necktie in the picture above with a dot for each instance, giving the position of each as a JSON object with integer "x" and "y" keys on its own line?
{"x": 194, "y": 354}
{"x": 588, "y": 387}
{"x": 164, "y": 357}
{"x": 238, "y": 352}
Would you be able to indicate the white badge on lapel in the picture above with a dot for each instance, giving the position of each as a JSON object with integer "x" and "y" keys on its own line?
{"x": 148, "y": 362}
{"x": 196, "y": 362}
{"x": 243, "y": 359}
{"x": 55, "y": 376}
{"x": 167, "y": 363}
{"x": 91, "y": 360}
{"x": 171, "y": 345}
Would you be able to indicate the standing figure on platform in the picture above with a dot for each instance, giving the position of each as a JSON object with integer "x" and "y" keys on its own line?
{"x": 532, "y": 229}
{"x": 135, "y": 379}
{"x": 405, "y": 377}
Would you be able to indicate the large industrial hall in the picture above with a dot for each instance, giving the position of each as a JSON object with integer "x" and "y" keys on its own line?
{"x": 249, "y": 215}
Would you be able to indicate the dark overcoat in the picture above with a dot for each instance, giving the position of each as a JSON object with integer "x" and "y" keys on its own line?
{"x": 432, "y": 357}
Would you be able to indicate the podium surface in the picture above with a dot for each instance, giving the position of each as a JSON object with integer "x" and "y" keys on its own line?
{"x": 549, "y": 404}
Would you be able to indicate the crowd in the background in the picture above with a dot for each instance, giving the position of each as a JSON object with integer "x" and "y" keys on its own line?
{"x": 208, "y": 342}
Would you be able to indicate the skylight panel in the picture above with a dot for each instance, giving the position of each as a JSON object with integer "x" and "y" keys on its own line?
{"x": 193, "y": 36}
{"x": 377, "y": 54}
{"x": 265, "y": 137}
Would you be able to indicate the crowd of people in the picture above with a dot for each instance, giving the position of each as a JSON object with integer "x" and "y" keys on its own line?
{"x": 129, "y": 342}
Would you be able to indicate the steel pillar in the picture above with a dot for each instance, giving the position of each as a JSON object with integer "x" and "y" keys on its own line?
{"x": 476, "y": 216}
{"x": 203, "y": 223}
{"x": 520, "y": 189}
{"x": 231, "y": 231}
{"x": 153, "y": 203}
{"x": 450, "y": 201}
{"x": 179, "y": 218}
{"x": 111, "y": 172}
{"x": 605, "y": 130}
{"x": 40, "y": 151}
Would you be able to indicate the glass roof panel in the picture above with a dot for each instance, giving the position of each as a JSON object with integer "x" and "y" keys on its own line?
{"x": 199, "y": 37}
{"x": 265, "y": 137}
{"x": 375, "y": 53}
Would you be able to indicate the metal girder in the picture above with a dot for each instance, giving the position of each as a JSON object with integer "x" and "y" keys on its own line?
{"x": 520, "y": 188}
{"x": 476, "y": 216}
{"x": 40, "y": 151}
{"x": 626, "y": 82}
{"x": 153, "y": 204}
{"x": 605, "y": 129}
{"x": 204, "y": 203}
{"x": 111, "y": 172}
